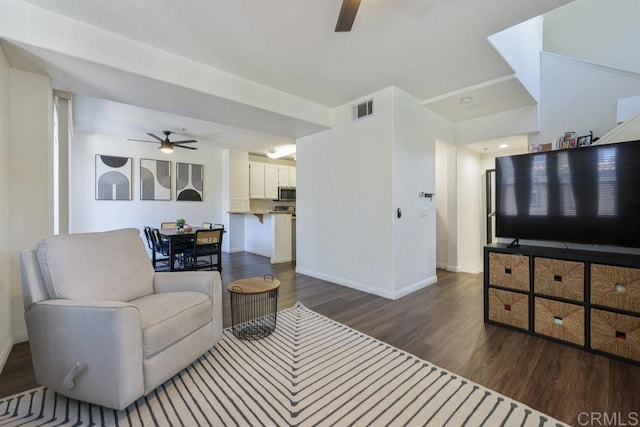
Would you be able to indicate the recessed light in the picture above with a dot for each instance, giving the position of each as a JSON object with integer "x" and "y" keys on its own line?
{"x": 503, "y": 146}
{"x": 465, "y": 100}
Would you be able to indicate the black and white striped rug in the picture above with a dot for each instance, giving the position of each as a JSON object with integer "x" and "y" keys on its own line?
{"x": 310, "y": 371}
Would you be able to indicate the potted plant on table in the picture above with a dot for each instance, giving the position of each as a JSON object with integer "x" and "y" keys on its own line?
{"x": 180, "y": 222}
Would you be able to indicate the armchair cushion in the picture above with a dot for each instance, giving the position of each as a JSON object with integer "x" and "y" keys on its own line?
{"x": 108, "y": 266}
{"x": 167, "y": 318}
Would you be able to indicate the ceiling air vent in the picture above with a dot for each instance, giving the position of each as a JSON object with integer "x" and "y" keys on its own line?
{"x": 362, "y": 110}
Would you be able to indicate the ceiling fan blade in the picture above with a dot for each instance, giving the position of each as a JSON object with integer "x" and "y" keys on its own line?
{"x": 155, "y": 136}
{"x": 184, "y": 142}
{"x": 184, "y": 146}
{"x": 142, "y": 140}
{"x": 347, "y": 15}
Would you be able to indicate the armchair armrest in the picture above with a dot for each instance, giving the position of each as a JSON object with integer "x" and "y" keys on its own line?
{"x": 93, "y": 353}
{"x": 207, "y": 282}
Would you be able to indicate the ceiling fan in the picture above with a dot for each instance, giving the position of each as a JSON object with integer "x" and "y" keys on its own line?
{"x": 347, "y": 15}
{"x": 166, "y": 146}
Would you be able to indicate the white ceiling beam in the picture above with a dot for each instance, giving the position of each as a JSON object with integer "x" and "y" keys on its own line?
{"x": 33, "y": 26}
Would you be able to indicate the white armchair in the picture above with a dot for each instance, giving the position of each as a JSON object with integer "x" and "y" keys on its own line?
{"x": 103, "y": 326}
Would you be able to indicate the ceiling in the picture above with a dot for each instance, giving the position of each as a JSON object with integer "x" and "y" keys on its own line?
{"x": 430, "y": 49}
{"x": 507, "y": 145}
{"x": 95, "y": 115}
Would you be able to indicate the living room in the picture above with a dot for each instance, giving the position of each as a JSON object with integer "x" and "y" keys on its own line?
{"x": 364, "y": 170}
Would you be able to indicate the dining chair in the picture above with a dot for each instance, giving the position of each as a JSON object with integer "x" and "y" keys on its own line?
{"x": 160, "y": 245}
{"x": 155, "y": 248}
{"x": 148, "y": 237}
{"x": 207, "y": 225}
{"x": 206, "y": 243}
{"x": 218, "y": 226}
{"x": 168, "y": 224}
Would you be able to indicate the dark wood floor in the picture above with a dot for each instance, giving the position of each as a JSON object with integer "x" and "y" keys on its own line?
{"x": 444, "y": 325}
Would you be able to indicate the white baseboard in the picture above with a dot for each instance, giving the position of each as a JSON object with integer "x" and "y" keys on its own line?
{"x": 453, "y": 268}
{"x": 414, "y": 287}
{"x": 367, "y": 288}
{"x": 441, "y": 265}
{"x": 346, "y": 282}
{"x": 20, "y": 336}
{"x": 234, "y": 250}
{"x": 258, "y": 252}
{"x": 280, "y": 260}
{"x": 4, "y": 352}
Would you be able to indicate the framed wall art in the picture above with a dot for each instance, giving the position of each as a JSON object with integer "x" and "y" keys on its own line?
{"x": 189, "y": 182}
{"x": 113, "y": 177}
{"x": 155, "y": 179}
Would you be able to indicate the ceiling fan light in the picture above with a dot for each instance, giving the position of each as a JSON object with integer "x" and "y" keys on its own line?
{"x": 281, "y": 152}
{"x": 166, "y": 147}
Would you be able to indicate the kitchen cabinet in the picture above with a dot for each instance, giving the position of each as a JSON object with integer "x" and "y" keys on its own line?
{"x": 286, "y": 176}
{"x": 270, "y": 237}
{"x": 271, "y": 181}
{"x": 256, "y": 180}
{"x": 265, "y": 178}
{"x": 292, "y": 177}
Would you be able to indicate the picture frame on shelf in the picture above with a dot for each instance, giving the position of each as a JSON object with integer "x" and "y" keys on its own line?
{"x": 585, "y": 140}
{"x": 570, "y": 140}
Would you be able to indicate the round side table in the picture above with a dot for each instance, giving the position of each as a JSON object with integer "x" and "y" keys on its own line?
{"x": 254, "y": 306}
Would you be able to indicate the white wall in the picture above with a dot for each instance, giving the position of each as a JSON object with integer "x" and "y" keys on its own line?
{"x": 344, "y": 205}
{"x": 88, "y": 214}
{"x": 520, "y": 46}
{"x": 415, "y": 130}
{"x": 31, "y": 177}
{"x": 6, "y": 340}
{"x": 351, "y": 180}
{"x": 442, "y": 202}
{"x": 235, "y": 196}
{"x": 469, "y": 211}
{"x": 580, "y": 97}
{"x": 600, "y": 31}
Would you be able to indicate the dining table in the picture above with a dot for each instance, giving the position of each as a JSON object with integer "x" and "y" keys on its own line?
{"x": 175, "y": 235}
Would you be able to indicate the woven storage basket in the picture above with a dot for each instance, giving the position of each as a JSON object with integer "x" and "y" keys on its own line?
{"x": 510, "y": 308}
{"x": 559, "y": 320}
{"x": 617, "y": 287}
{"x": 615, "y": 333}
{"x": 509, "y": 271}
{"x": 559, "y": 278}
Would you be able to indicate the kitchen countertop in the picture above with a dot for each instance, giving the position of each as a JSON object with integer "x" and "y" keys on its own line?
{"x": 260, "y": 212}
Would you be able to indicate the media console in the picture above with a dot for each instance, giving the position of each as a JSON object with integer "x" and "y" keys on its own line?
{"x": 589, "y": 300}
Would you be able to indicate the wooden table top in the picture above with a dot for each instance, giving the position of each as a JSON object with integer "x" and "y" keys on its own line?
{"x": 253, "y": 285}
{"x": 170, "y": 232}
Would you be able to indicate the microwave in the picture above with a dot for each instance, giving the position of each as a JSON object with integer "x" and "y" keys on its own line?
{"x": 287, "y": 193}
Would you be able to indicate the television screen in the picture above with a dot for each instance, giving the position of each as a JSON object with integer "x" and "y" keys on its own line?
{"x": 584, "y": 195}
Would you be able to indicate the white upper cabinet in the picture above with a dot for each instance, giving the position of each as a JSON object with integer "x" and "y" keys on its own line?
{"x": 270, "y": 181}
{"x": 265, "y": 178}
{"x": 283, "y": 176}
{"x": 292, "y": 177}
{"x": 256, "y": 180}
{"x": 286, "y": 176}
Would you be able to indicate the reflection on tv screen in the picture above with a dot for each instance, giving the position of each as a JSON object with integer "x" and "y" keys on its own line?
{"x": 586, "y": 195}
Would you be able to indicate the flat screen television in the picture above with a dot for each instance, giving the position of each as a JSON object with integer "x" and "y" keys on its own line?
{"x": 587, "y": 195}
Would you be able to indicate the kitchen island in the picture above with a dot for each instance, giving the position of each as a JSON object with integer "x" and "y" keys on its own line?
{"x": 267, "y": 233}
